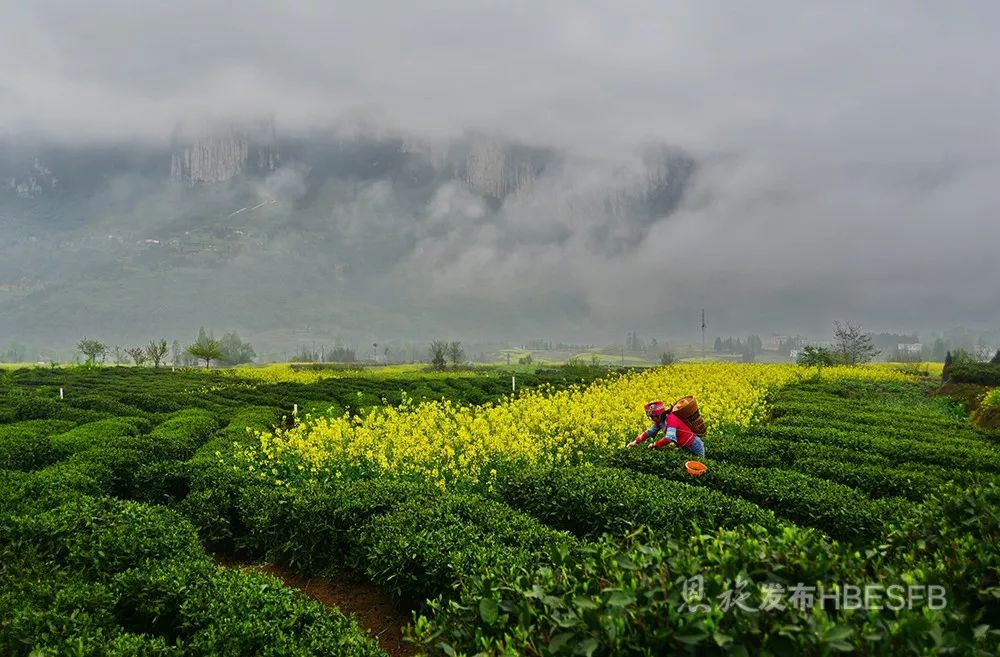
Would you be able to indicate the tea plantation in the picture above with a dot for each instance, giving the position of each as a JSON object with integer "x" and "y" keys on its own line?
{"x": 120, "y": 500}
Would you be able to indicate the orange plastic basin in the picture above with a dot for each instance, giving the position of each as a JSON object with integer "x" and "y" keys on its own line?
{"x": 695, "y": 469}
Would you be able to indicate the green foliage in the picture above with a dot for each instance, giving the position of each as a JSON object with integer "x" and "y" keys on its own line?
{"x": 818, "y": 357}
{"x": 93, "y": 350}
{"x": 955, "y": 542}
{"x": 156, "y": 351}
{"x": 207, "y": 350}
{"x": 439, "y": 354}
{"x": 25, "y": 445}
{"x": 98, "y": 434}
{"x": 853, "y": 346}
{"x": 425, "y": 547}
{"x": 317, "y": 530}
{"x": 234, "y": 350}
{"x": 606, "y": 599}
{"x": 81, "y": 574}
{"x": 836, "y": 509}
{"x": 985, "y": 374}
{"x": 590, "y": 501}
{"x": 179, "y": 436}
{"x": 102, "y": 576}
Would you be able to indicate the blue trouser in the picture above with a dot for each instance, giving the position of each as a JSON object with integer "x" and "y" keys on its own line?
{"x": 697, "y": 447}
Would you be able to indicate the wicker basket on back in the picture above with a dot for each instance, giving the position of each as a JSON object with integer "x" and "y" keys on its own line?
{"x": 686, "y": 408}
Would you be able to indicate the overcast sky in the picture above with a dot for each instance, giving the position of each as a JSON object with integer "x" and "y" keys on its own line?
{"x": 849, "y": 152}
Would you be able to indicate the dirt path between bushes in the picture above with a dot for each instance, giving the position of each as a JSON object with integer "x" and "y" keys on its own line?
{"x": 374, "y": 610}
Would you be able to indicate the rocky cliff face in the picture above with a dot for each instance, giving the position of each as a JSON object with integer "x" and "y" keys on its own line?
{"x": 222, "y": 155}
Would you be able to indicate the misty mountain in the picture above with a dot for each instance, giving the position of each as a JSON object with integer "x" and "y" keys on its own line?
{"x": 353, "y": 235}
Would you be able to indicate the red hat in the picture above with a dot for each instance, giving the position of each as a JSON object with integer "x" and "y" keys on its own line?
{"x": 655, "y": 408}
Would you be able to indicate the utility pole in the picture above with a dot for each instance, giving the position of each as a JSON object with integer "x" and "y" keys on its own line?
{"x": 703, "y": 335}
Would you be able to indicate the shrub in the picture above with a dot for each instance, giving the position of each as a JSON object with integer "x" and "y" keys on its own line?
{"x": 114, "y": 467}
{"x": 101, "y": 404}
{"x": 103, "y": 536}
{"x": 839, "y": 510}
{"x": 612, "y": 600}
{"x": 424, "y": 548}
{"x": 317, "y": 530}
{"x": 984, "y": 374}
{"x": 590, "y": 501}
{"x": 25, "y": 445}
{"x": 180, "y": 435}
{"x": 955, "y": 541}
{"x": 97, "y": 434}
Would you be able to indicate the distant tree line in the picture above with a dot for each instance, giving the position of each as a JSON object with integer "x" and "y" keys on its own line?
{"x": 229, "y": 350}
{"x": 852, "y": 346}
{"x": 325, "y": 354}
{"x": 748, "y": 349}
{"x": 636, "y": 344}
{"x": 441, "y": 353}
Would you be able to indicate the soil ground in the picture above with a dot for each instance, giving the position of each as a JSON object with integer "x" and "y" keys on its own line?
{"x": 373, "y": 609}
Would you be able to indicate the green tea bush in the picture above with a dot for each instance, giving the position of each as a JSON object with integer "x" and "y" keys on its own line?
{"x": 607, "y": 599}
{"x": 955, "y": 541}
{"x": 103, "y": 536}
{"x": 932, "y": 451}
{"x": 115, "y": 467}
{"x": 875, "y": 481}
{"x": 102, "y": 576}
{"x": 255, "y": 614}
{"x": 425, "y": 547}
{"x": 984, "y": 374}
{"x": 162, "y": 482}
{"x": 102, "y": 404}
{"x": 211, "y": 503}
{"x": 839, "y": 510}
{"x": 50, "y": 610}
{"x": 317, "y": 530}
{"x": 101, "y": 433}
{"x": 35, "y": 407}
{"x": 26, "y": 446}
{"x": 590, "y": 501}
{"x": 151, "y": 403}
{"x": 180, "y": 435}
{"x": 30, "y": 492}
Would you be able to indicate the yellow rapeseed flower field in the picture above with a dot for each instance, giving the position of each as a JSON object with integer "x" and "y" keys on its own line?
{"x": 450, "y": 443}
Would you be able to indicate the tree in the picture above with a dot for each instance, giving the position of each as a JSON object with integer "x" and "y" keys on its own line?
{"x": 996, "y": 358}
{"x": 138, "y": 355}
{"x": 439, "y": 352}
{"x": 176, "y": 353}
{"x": 157, "y": 351}
{"x": 667, "y": 358}
{"x": 236, "y": 351}
{"x": 206, "y": 350}
{"x": 718, "y": 345}
{"x": 456, "y": 354}
{"x": 946, "y": 370}
{"x": 119, "y": 354}
{"x": 853, "y": 345}
{"x": 92, "y": 350}
{"x": 525, "y": 360}
{"x": 818, "y": 357}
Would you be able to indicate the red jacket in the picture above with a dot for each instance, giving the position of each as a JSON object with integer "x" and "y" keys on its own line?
{"x": 674, "y": 430}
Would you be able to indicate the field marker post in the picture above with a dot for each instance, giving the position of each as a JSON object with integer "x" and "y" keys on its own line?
{"x": 513, "y": 385}
{"x": 295, "y": 410}
{"x": 60, "y": 393}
